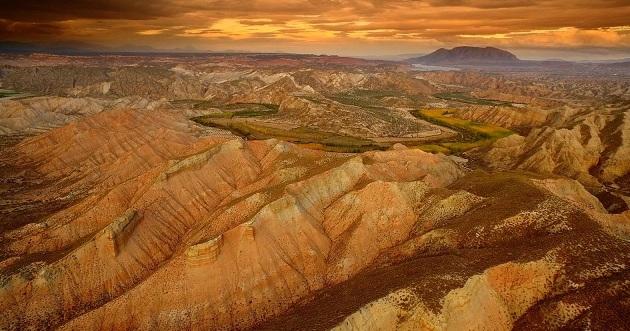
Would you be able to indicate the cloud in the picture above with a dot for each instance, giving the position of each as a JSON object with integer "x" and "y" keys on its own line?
{"x": 57, "y": 10}
{"x": 30, "y": 31}
{"x": 563, "y": 37}
{"x": 486, "y": 4}
{"x": 285, "y": 23}
{"x": 151, "y": 32}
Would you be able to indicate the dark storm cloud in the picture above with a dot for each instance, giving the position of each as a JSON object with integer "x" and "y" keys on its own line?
{"x": 9, "y": 29}
{"x": 57, "y": 10}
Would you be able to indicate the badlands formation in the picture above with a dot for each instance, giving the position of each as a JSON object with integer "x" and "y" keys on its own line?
{"x": 225, "y": 192}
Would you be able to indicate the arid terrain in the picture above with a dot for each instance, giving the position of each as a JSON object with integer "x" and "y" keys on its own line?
{"x": 303, "y": 192}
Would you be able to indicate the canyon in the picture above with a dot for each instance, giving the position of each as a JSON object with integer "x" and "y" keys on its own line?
{"x": 307, "y": 192}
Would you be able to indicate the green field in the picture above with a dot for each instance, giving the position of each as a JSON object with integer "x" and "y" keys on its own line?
{"x": 465, "y": 98}
{"x": 7, "y": 93}
{"x": 472, "y": 134}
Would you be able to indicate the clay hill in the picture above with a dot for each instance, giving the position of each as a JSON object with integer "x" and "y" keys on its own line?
{"x": 467, "y": 55}
{"x": 140, "y": 220}
{"x": 229, "y": 193}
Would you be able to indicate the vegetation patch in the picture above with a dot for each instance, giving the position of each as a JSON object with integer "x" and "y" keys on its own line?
{"x": 9, "y": 93}
{"x": 231, "y": 110}
{"x": 208, "y": 104}
{"x": 301, "y": 135}
{"x": 472, "y": 129}
{"x": 472, "y": 134}
{"x": 368, "y": 99}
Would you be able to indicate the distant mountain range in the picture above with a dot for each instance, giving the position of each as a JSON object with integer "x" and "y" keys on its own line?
{"x": 78, "y": 48}
{"x": 463, "y": 57}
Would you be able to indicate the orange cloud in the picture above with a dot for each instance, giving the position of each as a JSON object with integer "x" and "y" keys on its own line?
{"x": 337, "y": 26}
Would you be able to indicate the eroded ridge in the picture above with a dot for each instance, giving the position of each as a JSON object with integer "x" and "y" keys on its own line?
{"x": 252, "y": 216}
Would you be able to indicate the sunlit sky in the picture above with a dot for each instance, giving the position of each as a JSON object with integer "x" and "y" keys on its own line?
{"x": 570, "y": 29}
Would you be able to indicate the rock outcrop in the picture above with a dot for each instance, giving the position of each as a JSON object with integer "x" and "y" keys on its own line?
{"x": 40, "y": 114}
{"x": 592, "y": 150}
{"x": 474, "y": 270}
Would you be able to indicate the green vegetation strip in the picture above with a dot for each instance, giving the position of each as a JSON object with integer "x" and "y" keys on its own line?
{"x": 7, "y": 93}
{"x": 301, "y": 135}
{"x": 473, "y": 134}
{"x": 239, "y": 109}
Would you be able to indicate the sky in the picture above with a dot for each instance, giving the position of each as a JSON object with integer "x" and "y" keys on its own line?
{"x": 532, "y": 29}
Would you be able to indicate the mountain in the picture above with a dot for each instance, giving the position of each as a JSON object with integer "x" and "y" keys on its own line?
{"x": 467, "y": 55}
{"x": 617, "y": 65}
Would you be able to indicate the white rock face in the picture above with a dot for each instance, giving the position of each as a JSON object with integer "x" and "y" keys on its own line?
{"x": 595, "y": 150}
{"x": 39, "y": 114}
{"x": 492, "y": 300}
